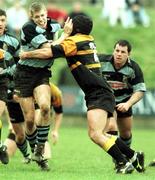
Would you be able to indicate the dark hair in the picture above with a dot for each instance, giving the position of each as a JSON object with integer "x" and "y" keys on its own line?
{"x": 82, "y": 24}
{"x": 123, "y": 42}
{"x": 2, "y": 12}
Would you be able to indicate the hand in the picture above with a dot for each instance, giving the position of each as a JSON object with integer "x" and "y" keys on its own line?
{"x": 2, "y": 54}
{"x": 16, "y": 98}
{"x": 123, "y": 107}
{"x": 68, "y": 27}
{"x": 55, "y": 137}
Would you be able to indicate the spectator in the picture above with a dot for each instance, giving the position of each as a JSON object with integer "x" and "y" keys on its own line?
{"x": 106, "y": 9}
{"x": 56, "y": 13}
{"x": 17, "y": 16}
{"x": 77, "y": 10}
{"x": 137, "y": 13}
{"x": 116, "y": 12}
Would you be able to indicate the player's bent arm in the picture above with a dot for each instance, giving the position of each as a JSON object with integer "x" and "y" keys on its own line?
{"x": 137, "y": 96}
{"x": 57, "y": 123}
{"x": 58, "y": 120}
{"x": 43, "y": 53}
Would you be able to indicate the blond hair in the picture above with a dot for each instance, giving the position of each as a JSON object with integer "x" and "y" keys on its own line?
{"x": 35, "y": 7}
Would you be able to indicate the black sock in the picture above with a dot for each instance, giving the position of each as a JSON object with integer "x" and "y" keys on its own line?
{"x": 32, "y": 140}
{"x": 23, "y": 148}
{"x": 115, "y": 152}
{"x": 124, "y": 148}
{"x": 127, "y": 141}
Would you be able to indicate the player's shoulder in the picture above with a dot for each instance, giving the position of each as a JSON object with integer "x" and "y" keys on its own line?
{"x": 12, "y": 39}
{"x": 10, "y": 35}
{"x": 105, "y": 57}
{"x": 53, "y": 25}
{"x": 133, "y": 63}
{"x": 29, "y": 25}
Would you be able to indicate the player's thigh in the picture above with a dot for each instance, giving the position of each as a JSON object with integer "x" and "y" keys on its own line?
{"x": 42, "y": 94}
{"x": 27, "y": 105}
{"x": 112, "y": 123}
{"x": 97, "y": 119}
{"x": 124, "y": 123}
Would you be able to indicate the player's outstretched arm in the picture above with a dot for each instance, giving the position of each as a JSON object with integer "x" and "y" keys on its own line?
{"x": 43, "y": 53}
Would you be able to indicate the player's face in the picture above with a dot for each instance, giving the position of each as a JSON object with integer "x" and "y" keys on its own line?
{"x": 120, "y": 54}
{"x": 2, "y": 24}
{"x": 40, "y": 18}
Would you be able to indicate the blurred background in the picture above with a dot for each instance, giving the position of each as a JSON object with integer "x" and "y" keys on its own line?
{"x": 112, "y": 21}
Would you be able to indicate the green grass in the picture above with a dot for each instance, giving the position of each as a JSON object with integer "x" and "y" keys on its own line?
{"x": 75, "y": 157}
{"x": 141, "y": 39}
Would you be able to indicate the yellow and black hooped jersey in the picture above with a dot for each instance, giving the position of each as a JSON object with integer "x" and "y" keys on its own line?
{"x": 81, "y": 54}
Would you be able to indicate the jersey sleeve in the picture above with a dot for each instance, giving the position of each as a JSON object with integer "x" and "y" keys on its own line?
{"x": 138, "y": 79}
{"x": 65, "y": 49}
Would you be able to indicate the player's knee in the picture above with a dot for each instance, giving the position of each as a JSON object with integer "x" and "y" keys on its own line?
{"x": 45, "y": 109}
{"x": 30, "y": 125}
{"x": 125, "y": 134}
{"x": 20, "y": 138}
{"x": 94, "y": 135}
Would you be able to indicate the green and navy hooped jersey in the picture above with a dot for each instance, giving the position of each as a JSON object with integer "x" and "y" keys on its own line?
{"x": 124, "y": 81}
{"x": 33, "y": 37}
{"x": 11, "y": 46}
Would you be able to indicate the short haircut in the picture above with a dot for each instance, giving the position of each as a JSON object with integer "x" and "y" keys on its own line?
{"x": 2, "y": 12}
{"x": 36, "y": 6}
{"x": 82, "y": 24}
{"x": 123, "y": 42}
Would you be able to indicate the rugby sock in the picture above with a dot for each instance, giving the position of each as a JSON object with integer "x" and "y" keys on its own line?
{"x": 124, "y": 148}
{"x": 112, "y": 149}
{"x": 42, "y": 134}
{"x": 127, "y": 141}
{"x": 116, "y": 154}
{"x": 32, "y": 140}
{"x": 11, "y": 136}
{"x": 23, "y": 148}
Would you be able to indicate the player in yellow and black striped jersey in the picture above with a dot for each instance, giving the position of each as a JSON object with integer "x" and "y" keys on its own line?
{"x": 80, "y": 52}
{"x": 125, "y": 77}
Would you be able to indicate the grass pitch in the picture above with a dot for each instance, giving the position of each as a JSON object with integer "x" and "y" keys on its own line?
{"x": 75, "y": 157}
